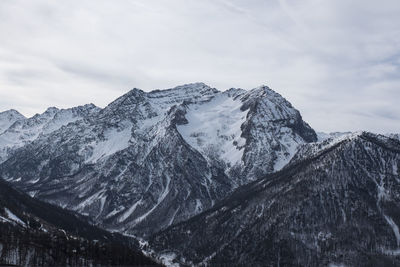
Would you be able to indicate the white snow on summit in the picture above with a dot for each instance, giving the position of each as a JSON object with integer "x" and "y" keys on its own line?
{"x": 7, "y": 118}
{"x": 214, "y": 128}
{"x": 25, "y": 130}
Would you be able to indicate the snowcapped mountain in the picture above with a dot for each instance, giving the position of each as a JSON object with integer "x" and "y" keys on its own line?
{"x": 152, "y": 159}
{"x": 21, "y": 130}
{"x": 335, "y": 205}
{"x": 210, "y": 177}
{"x": 7, "y": 118}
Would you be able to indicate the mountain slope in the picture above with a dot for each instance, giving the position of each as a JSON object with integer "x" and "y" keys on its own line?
{"x": 7, "y": 118}
{"x": 25, "y": 130}
{"x": 336, "y": 205}
{"x": 156, "y": 153}
{"x": 34, "y": 233}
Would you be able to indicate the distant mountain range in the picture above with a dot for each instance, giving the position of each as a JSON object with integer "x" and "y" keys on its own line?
{"x": 234, "y": 177}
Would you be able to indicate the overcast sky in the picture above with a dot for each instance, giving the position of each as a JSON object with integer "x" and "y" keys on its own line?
{"x": 337, "y": 61}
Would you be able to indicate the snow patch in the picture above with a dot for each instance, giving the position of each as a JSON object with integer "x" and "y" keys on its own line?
{"x": 13, "y": 217}
{"x": 2, "y": 219}
{"x": 168, "y": 259}
{"x": 288, "y": 149}
{"x": 34, "y": 181}
{"x": 88, "y": 201}
{"x": 114, "y": 141}
{"x": 214, "y": 128}
{"x": 102, "y": 203}
{"x": 129, "y": 211}
{"x": 160, "y": 199}
{"x": 33, "y": 193}
{"x": 113, "y": 212}
{"x": 199, "y": 206}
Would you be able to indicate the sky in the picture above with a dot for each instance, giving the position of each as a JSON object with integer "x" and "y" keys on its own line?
{"x": 336, "y": 61}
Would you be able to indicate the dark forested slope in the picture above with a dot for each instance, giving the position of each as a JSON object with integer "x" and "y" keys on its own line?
{"x": 34, "y": 233}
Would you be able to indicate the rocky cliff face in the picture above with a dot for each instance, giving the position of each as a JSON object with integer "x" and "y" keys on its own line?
{"x": 152, "y": 159}
{"x": 336, "y": 203}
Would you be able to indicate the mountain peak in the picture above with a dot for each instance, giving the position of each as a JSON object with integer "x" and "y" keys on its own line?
{"x": 132, "y": 95}
{"x": 189, "y": 88}
{"x": 196, "y": 85}
{"x": 8, "y": 117}
{"x": 87, "y": 108}
{"x": 51, "y": 111}
{"x": 90, "y": 106}
{"x": 265, "y": 91}
{"x": 134, "y": 92}
{"x": 234, "y": 92}
{"x": 11, "y": 112}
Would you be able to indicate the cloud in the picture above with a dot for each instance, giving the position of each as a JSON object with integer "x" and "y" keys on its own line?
{"x": 336, "y": 61}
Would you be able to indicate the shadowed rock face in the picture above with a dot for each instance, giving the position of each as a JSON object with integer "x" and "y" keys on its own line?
{"x": 150, "y": 159}
{"x": 338, "y": 204}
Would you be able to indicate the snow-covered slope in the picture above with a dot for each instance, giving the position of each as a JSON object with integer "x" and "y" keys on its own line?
{"x": 152, "y": 159}
{"x": 24, "y": 131}
{"x": 7, "y": 118}
{"x": 214, "y": 128}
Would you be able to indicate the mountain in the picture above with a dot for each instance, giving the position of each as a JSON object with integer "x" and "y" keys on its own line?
{"x": 152, "y": 159}
{"x": 34, "y": 233}
{"x": 335, "y": 204}
{"x": 201, "y": 177}
{"x": 20, "y": 131}
{"x": 7, "y": 118}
